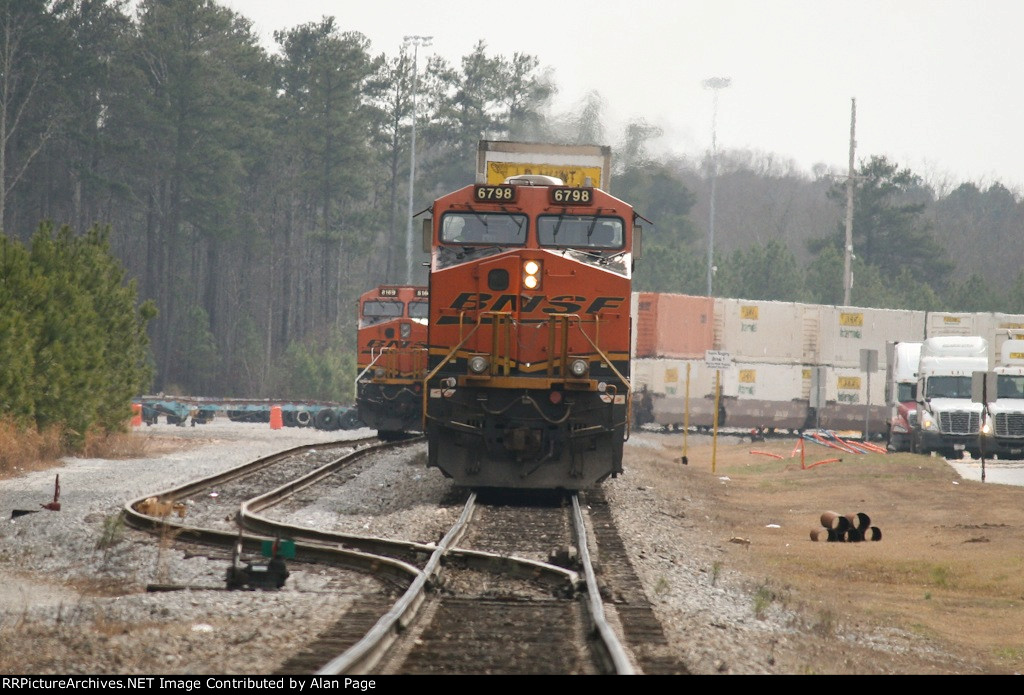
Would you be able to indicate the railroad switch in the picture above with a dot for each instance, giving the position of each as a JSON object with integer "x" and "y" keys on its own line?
{"x": 567, "y": 557}
{"x": 267, "y": 576}
{"x": 53, "y": 506}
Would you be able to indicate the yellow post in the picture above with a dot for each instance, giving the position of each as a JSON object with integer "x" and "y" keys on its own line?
{"x": 714, "y": 436}
{"x": 686, "y": 414}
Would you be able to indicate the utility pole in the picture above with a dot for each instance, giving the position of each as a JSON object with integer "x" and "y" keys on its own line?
{"x": 848, "y": 255}
{"x": 416, "y": 42}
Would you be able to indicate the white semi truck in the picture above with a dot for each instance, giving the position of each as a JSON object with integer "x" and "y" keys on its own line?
{"x": 948, "y": 421}
{"x": 901, "y": 363}
{"x": 1005, "y": 437}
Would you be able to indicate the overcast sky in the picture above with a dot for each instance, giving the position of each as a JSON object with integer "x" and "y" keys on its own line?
{"x": 937, "y": 83}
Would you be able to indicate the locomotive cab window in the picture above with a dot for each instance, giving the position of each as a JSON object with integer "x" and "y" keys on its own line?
{"x": 380, "y": 310}
{"x": 483, "y": 229}
{"x": 419, "y": 312}
{"x": 580, "y": 231}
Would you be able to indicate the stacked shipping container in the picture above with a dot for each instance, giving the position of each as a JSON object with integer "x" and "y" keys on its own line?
{"x": 795, "y": 365}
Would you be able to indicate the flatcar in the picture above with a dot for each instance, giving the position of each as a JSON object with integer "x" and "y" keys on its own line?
{"x": 529, "y": 333}
{"x": 392, "y": 359}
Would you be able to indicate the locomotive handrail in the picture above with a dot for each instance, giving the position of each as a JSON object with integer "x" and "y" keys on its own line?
{"x": 359, "y": 376}
{"x": 445, "y": 361}
{"x": 372, "y": 362}
{"x": 611, "y": 365}
{"x": 458, "y": 346}
{"x": 390, "y": 350}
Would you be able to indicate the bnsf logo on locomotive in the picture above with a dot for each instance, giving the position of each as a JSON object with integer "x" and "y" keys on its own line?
{"x": 562, "y": 304}
{"x": 381, "y": 343}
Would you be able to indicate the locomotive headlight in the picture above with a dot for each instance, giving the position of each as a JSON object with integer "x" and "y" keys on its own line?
{"x": 478, "y": 364}
{"x": 531, "y": 274}
{"x": 578, "y": 368}
{"x": 406, "y": 331}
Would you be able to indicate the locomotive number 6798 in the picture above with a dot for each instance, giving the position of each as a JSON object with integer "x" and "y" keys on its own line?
{"x": 527, "y": 382}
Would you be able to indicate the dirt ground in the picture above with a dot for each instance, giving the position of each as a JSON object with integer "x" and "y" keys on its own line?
{"x": 949, "y": 563}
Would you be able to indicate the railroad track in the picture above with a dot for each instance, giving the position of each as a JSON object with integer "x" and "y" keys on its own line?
{"x": 506, "y": 572}
{"x": 491, "y": 612}
{"x": 626, "y": 594}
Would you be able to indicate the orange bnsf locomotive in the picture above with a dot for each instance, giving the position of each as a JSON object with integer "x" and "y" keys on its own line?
{"x": 392, "y": 359}
{"x": 529, "y": 334}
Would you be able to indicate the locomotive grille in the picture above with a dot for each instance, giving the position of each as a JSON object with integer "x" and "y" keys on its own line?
{"x": 1009, "y": 424}
{"x": 959, "y": 422}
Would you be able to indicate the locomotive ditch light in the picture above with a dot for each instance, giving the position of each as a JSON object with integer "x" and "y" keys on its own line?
{"x": 531, "y": 274}
{"x": 578, "y": 368}
{"x": 478, "y": 364}
{"x": 379, "y": 372}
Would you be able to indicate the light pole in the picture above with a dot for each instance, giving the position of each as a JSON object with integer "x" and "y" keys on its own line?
{"x": 415, "y": 42}
{"x": 848, "y": 248}
{"x": 715, "y": 84}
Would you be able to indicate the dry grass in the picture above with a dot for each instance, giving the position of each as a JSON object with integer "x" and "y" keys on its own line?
{"x": 949, "y": 564}
{"x": 24, "y": 449}
{"x": 115, "y": 445}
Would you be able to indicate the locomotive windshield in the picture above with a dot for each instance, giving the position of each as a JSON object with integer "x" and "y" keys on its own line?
{"x": 580, "y": 231}
{"x": 419, "y": 310}
{"x": 379, "y": 310}
{"x": 483, "y": 228}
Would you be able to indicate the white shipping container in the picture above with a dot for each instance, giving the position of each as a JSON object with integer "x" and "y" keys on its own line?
{"x": 1008, "y": 322}
{"x": 1007, "y": 327}
{"x": 849, "y": 385}
{"x": 641, "y": 374}
{"x": 763, "y": 381}
{"x": 759, "y": 394}
{"x": 950, "y": 323}
{"x": 764, "y": 331}
{"x": 845, "y": 331}
{"x": 996, "y": 327}
{"x": 667, "y": 377}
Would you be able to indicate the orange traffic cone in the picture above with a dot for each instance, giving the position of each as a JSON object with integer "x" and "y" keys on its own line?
{"x": 136, "y": 414}
{"x": 275, "y": 417}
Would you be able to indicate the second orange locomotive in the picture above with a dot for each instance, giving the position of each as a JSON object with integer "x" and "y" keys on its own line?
{"x": 529, "y": 333}
{"x": 392, "y": 359}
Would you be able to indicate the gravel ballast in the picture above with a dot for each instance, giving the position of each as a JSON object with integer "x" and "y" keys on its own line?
{"x": 74, "y": 598}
